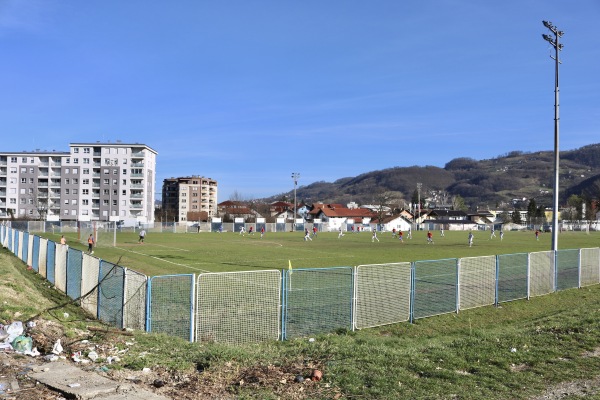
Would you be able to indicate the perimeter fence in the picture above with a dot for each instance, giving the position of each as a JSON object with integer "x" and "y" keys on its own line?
{"x": 254, "y": 306}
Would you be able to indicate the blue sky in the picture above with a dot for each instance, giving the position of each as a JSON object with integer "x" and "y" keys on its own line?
{"x": 247, "y": 92}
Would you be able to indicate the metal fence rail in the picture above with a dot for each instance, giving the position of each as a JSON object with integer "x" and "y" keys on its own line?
{"x": 435, "y": 288}
{"x": 239, "y": 307}
{"x": 541, "y": 273}
{"x": 110, "y": 293}
{"x": 317, "y": 300}
{"x": 476, "y": 282}
{"x": 382, "y": 294}
{"x": 170, "y": 307}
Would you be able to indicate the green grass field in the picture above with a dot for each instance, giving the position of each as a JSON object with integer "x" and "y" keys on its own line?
{"x": 178, "y": 253}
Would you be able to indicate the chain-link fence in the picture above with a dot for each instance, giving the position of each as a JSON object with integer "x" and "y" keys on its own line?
{"x": 282, "y": 304}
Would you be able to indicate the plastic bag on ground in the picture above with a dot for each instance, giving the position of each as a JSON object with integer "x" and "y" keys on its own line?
{"x": 22, "y": 344}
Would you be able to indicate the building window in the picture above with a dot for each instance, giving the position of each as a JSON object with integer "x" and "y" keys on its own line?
{"x": 30, "y": 180}
{"x": 22, "y": 200}
{"x": 106, "y": 171}
{"x": 84, "y": 212}
{"x": 68, "y": 160}
{"x": 86, "y": 181}
{"x": 74, "y": 191}
{"x": 31, "y": 170}
{"x": 86, "y": 160}
{"x": 124, "y": 171}
{"x": 124, "y": 192}
{"x": 75, "y": 181}
{"x": 104, "y": 202}
{"x": 85, "y": 191}
{"x": 73, "y": 212}
{"x": 86, "y": 150}
{"x": 13, "y": 201}
{"x": 106, "y": 181}
{"x": 74, "y": 202}
{"x": 75, "y": 171}
{"x": 13, "y": 159}
{"x": 23, "y": 180}
{"x": 76, "y": 161}
{"x": 67, "y": 170}
{"x": 23, "y": 170}
{"x": 75, "y": 150}
{"x": 66, "y": 212}
{"x": 85, "y": 202}
{"x": 67, "y": 201}
{"x": 67, "y": 181}
{"x": 24, "y": 160}
{"x": 115, "y": 171}
{"x": 86, "y": 171}
{"x": 13, "y": 170}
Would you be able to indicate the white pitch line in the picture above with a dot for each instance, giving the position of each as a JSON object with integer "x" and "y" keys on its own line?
{"x": 160, "y": 259}
{"x": 169, "y": 247}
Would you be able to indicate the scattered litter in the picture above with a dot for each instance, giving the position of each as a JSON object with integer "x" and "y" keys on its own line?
{"x": 76, "y": 356}
{"x": 33, "y": 353}
{"x": 31, "y": 324}
{"x": 146, "y": 370}
{"x": 92, "y": 355}
{"x": 158, "y": 383}
{"x": 51, "y": 357}
{"x": 513, "y": 350}
{"x": 316, "y": 375}
{"x": 66, "y": 315}
{"x": 22, "y": 344}
{"x": 312, "y": 339}
{"x": 112, "y": 359}
{"x": 57, "y": 348}
{"x": 299, "y": 379}
{"x": 15, "y": 329}
{"x": 74, "y": 385}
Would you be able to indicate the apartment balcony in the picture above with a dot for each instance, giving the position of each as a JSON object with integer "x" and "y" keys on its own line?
{"x": 3, "y": 162}
{"x": 95, "y": 185}
{"x": 42, "y": 184}
{"x": 136, "y": 205}
{"x": 136, "y": 196}
{"x": 96, "y": 174}
{"x": 43, "y": 164}
{"x": 2, "y": 193}
{"x": 55, "y": 174}
{"x": 139, "y": 154}
{"x": 56, "y": 164}
{"x": 55, "y": 194}
{"x": 97, "y": 164}
{"x": 95, "y": 195}
{"x": 2, "y": 204}
{"x": 3, "y": 172}
{"x": 54, "y": 183}
{"x": 42, "y": 174}
{"x": 95, "y": 204}
{"x": 137, "y": 175}
{"x": 138, "y": 164}
{"x": 136, "y": 186}
{"x": 97, "y": 154}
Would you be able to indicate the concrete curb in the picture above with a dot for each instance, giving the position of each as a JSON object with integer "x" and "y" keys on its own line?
{"x": 84, "y": 385}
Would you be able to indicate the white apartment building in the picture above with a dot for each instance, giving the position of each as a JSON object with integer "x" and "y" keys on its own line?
{"x": 91, "y": 182}
{"x": 189, "y": 199}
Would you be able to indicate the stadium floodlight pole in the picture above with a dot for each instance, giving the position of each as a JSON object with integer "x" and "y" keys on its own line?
{"x": 295, "y": 177}
{"x": 557, "y": 47}
{"x": 419, "y": 185}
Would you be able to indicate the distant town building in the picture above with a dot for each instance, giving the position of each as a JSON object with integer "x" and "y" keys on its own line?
{"x": 90, "y": 182}
{"x": 191, "y": 198}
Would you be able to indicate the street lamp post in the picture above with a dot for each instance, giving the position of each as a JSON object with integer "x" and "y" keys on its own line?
{"x": 557, "y": 47}
{"x": 295, "y": 177}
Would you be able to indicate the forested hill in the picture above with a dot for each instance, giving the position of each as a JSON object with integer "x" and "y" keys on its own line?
{"x": 481, "y": 183}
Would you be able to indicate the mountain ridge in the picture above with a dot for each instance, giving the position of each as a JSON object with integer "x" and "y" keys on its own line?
{"x": 490, "y": 183}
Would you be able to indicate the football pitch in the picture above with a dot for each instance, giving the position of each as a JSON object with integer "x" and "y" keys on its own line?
{"x": 185, "y": 253}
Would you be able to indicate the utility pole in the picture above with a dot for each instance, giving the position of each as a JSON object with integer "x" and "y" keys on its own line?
{"x": 557, "y": 47}
{"x": 295, "y": 177}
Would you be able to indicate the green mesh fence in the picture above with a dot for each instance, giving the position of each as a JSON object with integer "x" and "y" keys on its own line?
{"x": 35, "y": 256}
{"x": 50, "y": 261}
{"x": 74, "y": 260}
{"x": 171, "y": 305}
{"x": 134, "y": 312}
{"x": 477, "y": 282}
{"x": 435, "y": 287}
{"x": 110, "y": 293}
{"x": 590, "y": 267}
{"x": 382, "y": 294}
{"x": 567, "y": 269}
{"x": 541, "y": 273}
{"x": 239, "y": 307}
{"x": 317, "y": 301}
{"x": 512, "y": 276}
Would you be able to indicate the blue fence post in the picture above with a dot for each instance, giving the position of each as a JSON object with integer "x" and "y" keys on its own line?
{"x": 283, "y": 302}
{"x": 457, "y": 269}
{"x": 412, "y": 293}
{"x": 496, "y": 300}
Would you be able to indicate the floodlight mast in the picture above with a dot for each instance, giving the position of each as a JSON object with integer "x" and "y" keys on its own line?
{"x": 295, "y": 177}
{"x": 554, "y": 41}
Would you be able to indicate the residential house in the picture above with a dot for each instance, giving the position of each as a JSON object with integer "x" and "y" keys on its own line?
{"x": 448, "y": 220}
{"x": 335, "y": 215}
